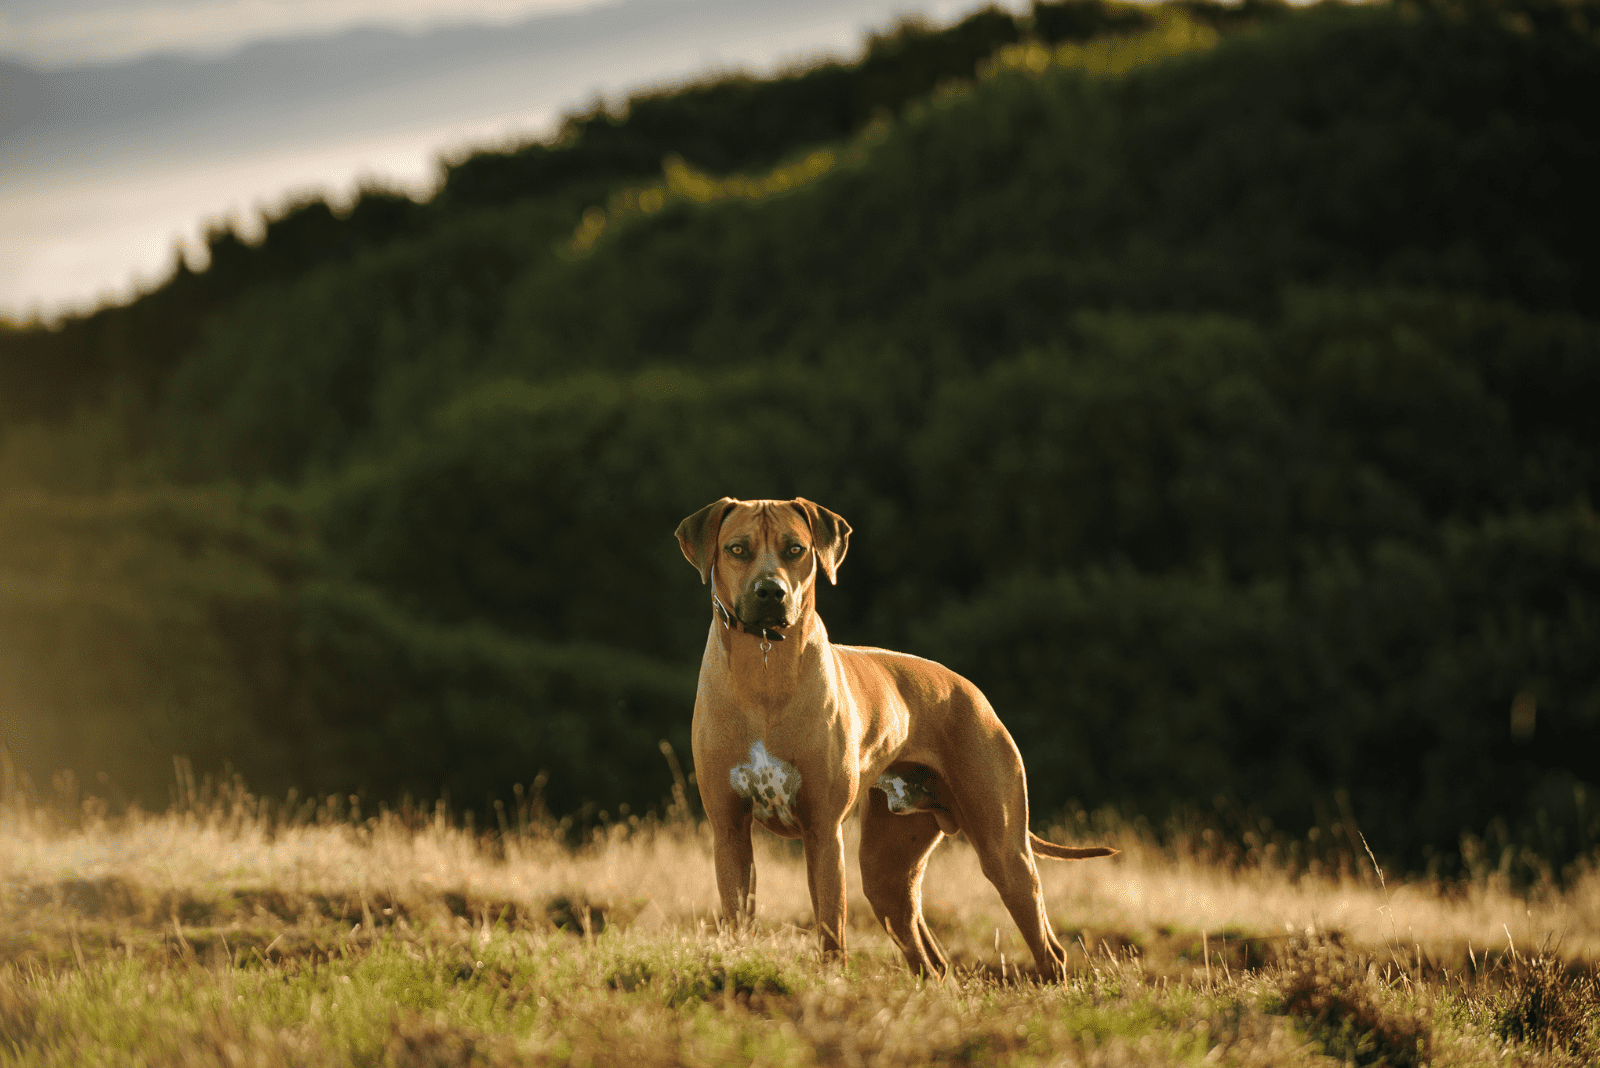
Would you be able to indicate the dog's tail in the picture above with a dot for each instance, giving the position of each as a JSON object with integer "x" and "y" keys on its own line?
{"x": 1060, "y": 852}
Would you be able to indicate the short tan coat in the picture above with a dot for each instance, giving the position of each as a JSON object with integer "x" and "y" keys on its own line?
{"x": 795, "y": 733}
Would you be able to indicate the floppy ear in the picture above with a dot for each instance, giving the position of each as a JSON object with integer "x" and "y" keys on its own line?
{"x": 697, "y": 535}
{"x": 830, "y": 536}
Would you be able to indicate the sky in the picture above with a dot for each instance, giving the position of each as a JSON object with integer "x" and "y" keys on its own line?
{"x": 128, "y": 127}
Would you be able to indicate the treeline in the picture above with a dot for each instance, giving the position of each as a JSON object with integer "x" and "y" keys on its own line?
{"x": 723, "y": 126}
{"x": 1213, "y": 386}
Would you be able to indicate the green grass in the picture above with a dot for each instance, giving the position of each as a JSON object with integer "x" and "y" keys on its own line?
{"x": 504, "y": 996}
{"x": 217, "y": 938}
{"x": 508, "y": 996}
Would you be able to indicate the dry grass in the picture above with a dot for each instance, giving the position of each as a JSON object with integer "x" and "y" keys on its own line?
{"x": 217, "y": 935}
{"x": 1330, "y": 989}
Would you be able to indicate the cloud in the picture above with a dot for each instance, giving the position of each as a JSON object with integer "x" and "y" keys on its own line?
{"x": 110, "y": 167}
{"x": 61, "y": 33}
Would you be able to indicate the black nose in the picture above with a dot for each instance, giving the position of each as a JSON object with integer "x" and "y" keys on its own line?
{"x": 769, "y": 590}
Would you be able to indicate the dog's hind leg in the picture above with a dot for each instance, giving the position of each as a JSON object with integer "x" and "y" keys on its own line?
{"x": 1008, "y": 863}
{"x": 1014, "y": 875}
{"x": 992, "y": 809}
{"x": 894, "y": 854}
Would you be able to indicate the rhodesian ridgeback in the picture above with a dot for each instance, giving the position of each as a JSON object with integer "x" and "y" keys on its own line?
{"x": 794, "y": 732}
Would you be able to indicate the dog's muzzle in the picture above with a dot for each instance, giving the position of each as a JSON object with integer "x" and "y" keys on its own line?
{"x": 765, "y": 629}
{"x": 765, "y": 604}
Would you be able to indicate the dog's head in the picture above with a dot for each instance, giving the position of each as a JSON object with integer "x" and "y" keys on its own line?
{"x": 765, "y": 555}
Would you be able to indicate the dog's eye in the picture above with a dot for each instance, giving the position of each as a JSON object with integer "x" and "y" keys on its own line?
{"x": 737, "y": 550}
{"x": 796, "y": 550}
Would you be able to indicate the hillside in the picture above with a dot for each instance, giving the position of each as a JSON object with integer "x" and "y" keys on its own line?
{"x": 1212, "y": 385}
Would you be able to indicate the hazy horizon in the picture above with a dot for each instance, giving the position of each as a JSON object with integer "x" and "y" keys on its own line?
{"x": 111, "y": 167}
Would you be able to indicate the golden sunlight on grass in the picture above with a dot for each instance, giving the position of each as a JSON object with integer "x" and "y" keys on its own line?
{"x": 215, "y": 934}
{"x": 661, "y": 875}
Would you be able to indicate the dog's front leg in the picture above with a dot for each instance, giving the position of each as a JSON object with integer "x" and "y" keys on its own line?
{"x": 736, "y": 868}
{"x": 825, "y": 871}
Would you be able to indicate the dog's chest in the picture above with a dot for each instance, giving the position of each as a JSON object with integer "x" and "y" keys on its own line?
{"x": 771, "y": 783}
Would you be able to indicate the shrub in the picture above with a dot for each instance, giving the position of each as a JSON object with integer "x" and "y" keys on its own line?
{"x": 1345, "y": 1007}
{"x": 1548, "y": 1004}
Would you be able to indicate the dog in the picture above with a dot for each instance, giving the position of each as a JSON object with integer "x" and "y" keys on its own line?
{"x": 794, "y": 733}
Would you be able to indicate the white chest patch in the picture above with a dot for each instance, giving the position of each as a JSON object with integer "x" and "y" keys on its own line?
{"x": 770, "y": 783}
{"x": 904, "y": 796}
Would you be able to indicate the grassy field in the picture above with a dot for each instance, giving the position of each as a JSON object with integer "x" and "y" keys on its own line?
{"x": 216, "y": 934}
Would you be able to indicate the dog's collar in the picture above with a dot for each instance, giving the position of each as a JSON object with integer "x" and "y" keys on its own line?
{"x": 732, "y": 622}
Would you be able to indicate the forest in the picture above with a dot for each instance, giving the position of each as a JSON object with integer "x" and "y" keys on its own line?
{"x": 1212, "y": 384}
